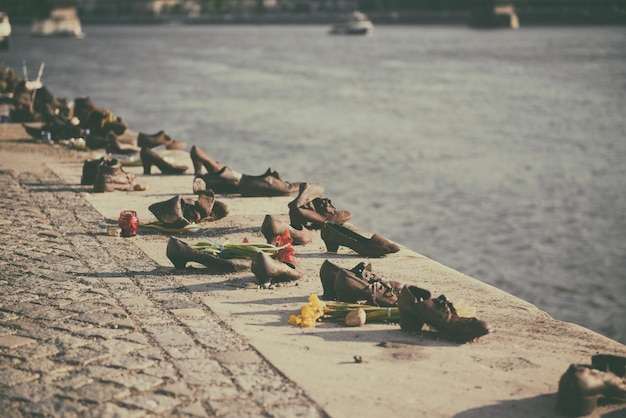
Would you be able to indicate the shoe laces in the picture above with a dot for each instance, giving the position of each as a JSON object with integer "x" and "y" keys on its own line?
{"x": 323, "y": 205}
{"x": 443, "y": 303}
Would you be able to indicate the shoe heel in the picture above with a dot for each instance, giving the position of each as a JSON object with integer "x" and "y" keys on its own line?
{"x": 408, "y": 322}
{"x": 147, "y": 168}
{"x": 331, "y": 246}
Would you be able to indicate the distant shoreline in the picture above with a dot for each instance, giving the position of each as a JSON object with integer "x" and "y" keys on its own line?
{"x": 547, "y": 17}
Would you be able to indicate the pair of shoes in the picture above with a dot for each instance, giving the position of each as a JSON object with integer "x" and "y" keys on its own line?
{"x": 223, "y": 181}
{"x": 201, "y": 159}
{"x": 269, "y": 270}
{"x": 158, "y": 139}
{"x": 150, "y": 158}
{"x": 335, "y": 235}
{"x": 418, "y": 308}
{"x": 311, "y": 210}
{"x": 180, "y": 211}
{"x": 272, "y": 227}
{"x": 181, "y": 253}
{"x": 110, "y": 177}
{"x": 583, "y": 387}
{"x": 267, "y": 184}
{"x": 358, "y": 285}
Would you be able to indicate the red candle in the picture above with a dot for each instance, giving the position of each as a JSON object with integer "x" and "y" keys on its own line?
{"x": 129, "y": 223}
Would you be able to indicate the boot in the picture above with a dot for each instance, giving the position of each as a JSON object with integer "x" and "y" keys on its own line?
{"x": 170, "y": 212}
{"x": 90, "y": 170}
{"x": 110, "y": 177}
{"x": 150, "y": 157}
{"x": 181, "y": 253}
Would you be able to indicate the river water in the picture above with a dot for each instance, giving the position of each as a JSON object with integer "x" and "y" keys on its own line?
{"x": 498, "y": 153}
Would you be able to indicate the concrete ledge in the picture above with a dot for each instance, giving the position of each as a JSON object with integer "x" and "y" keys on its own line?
{"x": 514, "y": 371}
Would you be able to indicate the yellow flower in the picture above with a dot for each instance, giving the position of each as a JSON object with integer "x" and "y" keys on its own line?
{"x": 295, "y": 319}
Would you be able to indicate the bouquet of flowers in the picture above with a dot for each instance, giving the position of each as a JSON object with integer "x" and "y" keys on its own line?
{"x": 283, "y": 250}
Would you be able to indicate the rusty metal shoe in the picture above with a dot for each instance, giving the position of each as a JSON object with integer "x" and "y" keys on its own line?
{"x": 150, "y": 158}
{"x": 335, "y": 235}
{"x": 158, "y": 139}
{"x": 180, "y": 211}
{"x": 418, "y": 308}
{"x": 311, "y": 210}
{"x": 269, "y": 270}
{"x": 201, "y": 159}
{"x": 350, "y": 286}
{"x": 181, "y": 253}
{"x": 267, "y": 184}
{"x": 273, "y": 227}
{"x": 329, "y": 272}
{"x": 90, "y": 171}
{"x": 224, "y": 181}
{"x": 582, "y": 387}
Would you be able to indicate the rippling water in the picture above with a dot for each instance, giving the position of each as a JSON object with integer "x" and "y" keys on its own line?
{"x": 498, "y": 153}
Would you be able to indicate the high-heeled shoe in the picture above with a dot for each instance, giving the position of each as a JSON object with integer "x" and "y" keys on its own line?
{"x": 150, "y": 158}
{"x": 180, "y": 253}
{"x": 201, "y": 159}
{"x": 311, "y": 210}
{"x": 269, "y": 270}
{"x": 273, "y": 227}
{"x": 418, "y": 308}
{"x": 335, "y": 235}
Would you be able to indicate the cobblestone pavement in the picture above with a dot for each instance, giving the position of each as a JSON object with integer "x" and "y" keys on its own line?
{"x": 89, "y": 325}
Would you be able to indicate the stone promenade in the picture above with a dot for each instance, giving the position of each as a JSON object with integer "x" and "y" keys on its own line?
{"x": 86, "y": 328}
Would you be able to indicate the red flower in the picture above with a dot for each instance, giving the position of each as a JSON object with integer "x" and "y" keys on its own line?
{"x": 288, "y": 253}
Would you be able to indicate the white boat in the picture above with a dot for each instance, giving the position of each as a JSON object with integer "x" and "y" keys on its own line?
{"x": 5, "y": 31}
{"x": 356, "y": 23}
{"x": 62, "y": 22}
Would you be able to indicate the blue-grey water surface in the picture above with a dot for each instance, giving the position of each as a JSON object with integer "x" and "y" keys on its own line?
{"x": 498, "y": 153}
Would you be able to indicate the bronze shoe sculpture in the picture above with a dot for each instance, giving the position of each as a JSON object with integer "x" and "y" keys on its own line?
{"x": 201, "y": 159}
{"x": 335, "y": 235}
{"x": 223, "y": 181}
{"x": 582, "y": 387}
{"x": 180, "y": 253}
{"x": 150, "y": 158}
{"x": 267, "y": 184}
{"x": 110, "y": 177}
{"x": 350, "y": 287}
{"x": 90, "y": 171}
{"x": 272, "y": 227}
{"x": 418, "y": 308}
{"x": 179, "y": 211}
{"x": 158, "y": 139}
{"x": 114, "y": 145}
{"x": 330, "y": 272}
{"x": 269, "y": 270}
{"x": 311, "y": 210}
